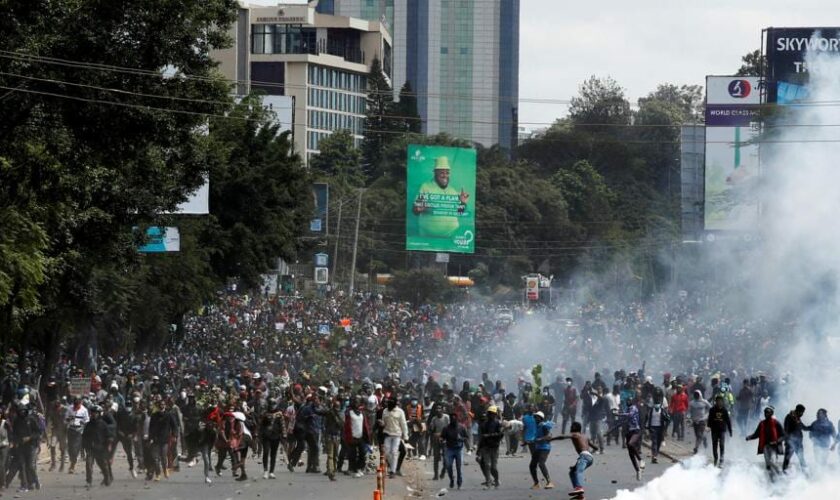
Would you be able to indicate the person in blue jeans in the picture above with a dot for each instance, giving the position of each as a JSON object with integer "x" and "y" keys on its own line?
{"x": 585, "y": 459}
{"x": 453, "y": 437}
{"x": 542, "y": 448}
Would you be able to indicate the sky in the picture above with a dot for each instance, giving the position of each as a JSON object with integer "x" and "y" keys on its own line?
{"x": 640, "y": 43}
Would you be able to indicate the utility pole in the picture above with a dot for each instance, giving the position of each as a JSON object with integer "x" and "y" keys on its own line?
{"x": 356, "y": 243}
{"x": 335, "y": 252}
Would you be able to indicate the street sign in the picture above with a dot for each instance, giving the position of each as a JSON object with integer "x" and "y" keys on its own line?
{"x": 321, "y": 260}
{"x": 442, "y": 258}
{"x": 321, "y": 275}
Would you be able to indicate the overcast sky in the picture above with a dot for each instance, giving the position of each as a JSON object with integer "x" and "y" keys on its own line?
{"x": 641, "y": 43}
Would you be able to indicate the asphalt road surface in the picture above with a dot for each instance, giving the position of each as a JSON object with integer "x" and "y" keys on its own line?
{"x": 612, "y": 471}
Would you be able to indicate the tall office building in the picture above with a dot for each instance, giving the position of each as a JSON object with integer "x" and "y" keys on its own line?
{"x": 461, "y": 57}
{"x": 315, "y": 62}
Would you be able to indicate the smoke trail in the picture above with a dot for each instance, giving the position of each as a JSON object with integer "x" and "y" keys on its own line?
{"x": 792, "y": 276}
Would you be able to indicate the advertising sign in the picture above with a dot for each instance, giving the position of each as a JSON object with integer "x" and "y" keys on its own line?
{"x": 321, "y": 200}
{"x": 161, "y": 240}
{"x": 440, "y": 199}
{"x": 787, "y": 70}
{"x": 532, "y": 287}
{"x": 731, "y": 178}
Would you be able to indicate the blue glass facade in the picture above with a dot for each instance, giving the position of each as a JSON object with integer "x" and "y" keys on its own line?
{"x": 326, "y": 7}
{"x": 509, "y": 74}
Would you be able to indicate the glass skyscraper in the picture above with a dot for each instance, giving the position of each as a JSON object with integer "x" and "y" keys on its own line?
{"x": 461, "y": 57}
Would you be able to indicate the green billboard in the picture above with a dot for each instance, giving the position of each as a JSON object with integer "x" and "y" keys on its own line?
{"x": 440, "y": 199}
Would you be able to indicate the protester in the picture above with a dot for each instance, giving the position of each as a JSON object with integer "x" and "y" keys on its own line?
{"x": 719, "y": 423}
{"x": 542, "y": 449}
{"x": 584, "y": 461}
{"x": 770, "y": 435}
{"x": 453, "y": 438}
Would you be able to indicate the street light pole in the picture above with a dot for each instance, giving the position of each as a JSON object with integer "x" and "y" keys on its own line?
{"x": 356, "y": 243}
{"x": 335, "y": 252}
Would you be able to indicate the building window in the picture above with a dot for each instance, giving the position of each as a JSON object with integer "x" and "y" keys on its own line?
{"x": 262, "y": 36}
{"x": 464, "y": 51}
{"x": 444, "y": 50}
{"x": 386, "y": 58}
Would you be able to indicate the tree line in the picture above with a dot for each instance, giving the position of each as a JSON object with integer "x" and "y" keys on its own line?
{"x": 93, "y": 150}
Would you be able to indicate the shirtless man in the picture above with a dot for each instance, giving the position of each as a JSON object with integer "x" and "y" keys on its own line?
{"x": 585, "y": 459}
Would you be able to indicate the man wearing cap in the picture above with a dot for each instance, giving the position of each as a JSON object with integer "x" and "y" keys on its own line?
{"x": 542, "y": 448}
{"x": 95, "y": 442}
{"x": 490, "y": 432}
{"x": 437, "y": 203}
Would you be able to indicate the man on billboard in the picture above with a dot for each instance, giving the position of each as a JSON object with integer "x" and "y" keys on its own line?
{"x": 440, "y": 199}
{"x": 436, "y": 200}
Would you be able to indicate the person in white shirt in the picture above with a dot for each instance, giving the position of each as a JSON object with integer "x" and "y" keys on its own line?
{"x": 614, "y": 405}
{"x": 395, "y": 429}
{"x": 77, "y": 417}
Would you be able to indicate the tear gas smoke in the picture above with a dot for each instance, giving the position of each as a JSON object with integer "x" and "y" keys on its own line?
{"x": 791, "y": 276}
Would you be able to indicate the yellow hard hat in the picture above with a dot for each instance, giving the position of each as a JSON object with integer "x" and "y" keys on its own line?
{"x": 493, "y": 409}
{"x": 442, "y": 163}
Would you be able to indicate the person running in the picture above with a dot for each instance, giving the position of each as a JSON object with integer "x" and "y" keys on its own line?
{"x": 633, "y": 436}
{"x": 585, "y": 459}
{"x": 95, "y": 442}
{"x": 677, "y": 408}
{"x": 770, "y": 435}
{"x": 794, "y": 437}
{"x": 490, "y": 432}
{"x": 395, "y": 429}
{"x": 822, "y": 433}
{"x": 699, "y": 411}
{"x": 719, "y": 423}
{"x": 657, "y": 424}
{"x": 453, "y": 438}
{"x": 542, "y": 448}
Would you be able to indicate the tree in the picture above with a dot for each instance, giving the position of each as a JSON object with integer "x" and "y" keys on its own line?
{"x": 259, "y": 194}
{"x": 86, "y": 164}
{"x": 601, "y": 101}
{"x": 339, "y": 161}
{"x": 686, "y": 101}
{"x": 405, "y": 112}
{"x": 379, "y": 126}
{"x": 421, "y": 286}
{"x": 752, "y": 64}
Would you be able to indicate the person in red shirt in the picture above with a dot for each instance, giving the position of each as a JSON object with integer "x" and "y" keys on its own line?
{"x": 770, "y": 434}
{"x": 677, "y": 409}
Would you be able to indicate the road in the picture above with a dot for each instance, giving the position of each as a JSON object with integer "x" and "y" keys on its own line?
{"x": 189, "y": 484}
{"x": 611, "y": 471}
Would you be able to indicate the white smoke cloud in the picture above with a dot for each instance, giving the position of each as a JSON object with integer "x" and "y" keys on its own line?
{"x": 793, "y": 275}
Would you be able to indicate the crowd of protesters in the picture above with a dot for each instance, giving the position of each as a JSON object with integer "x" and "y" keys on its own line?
{"x": 277, "y": 378}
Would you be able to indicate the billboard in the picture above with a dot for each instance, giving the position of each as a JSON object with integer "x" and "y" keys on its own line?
{"x": 787, "y": 70}
{"x": 161, "y": 240}
{"x": 440, "y": 199}
{"x": 731, "y": 156}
